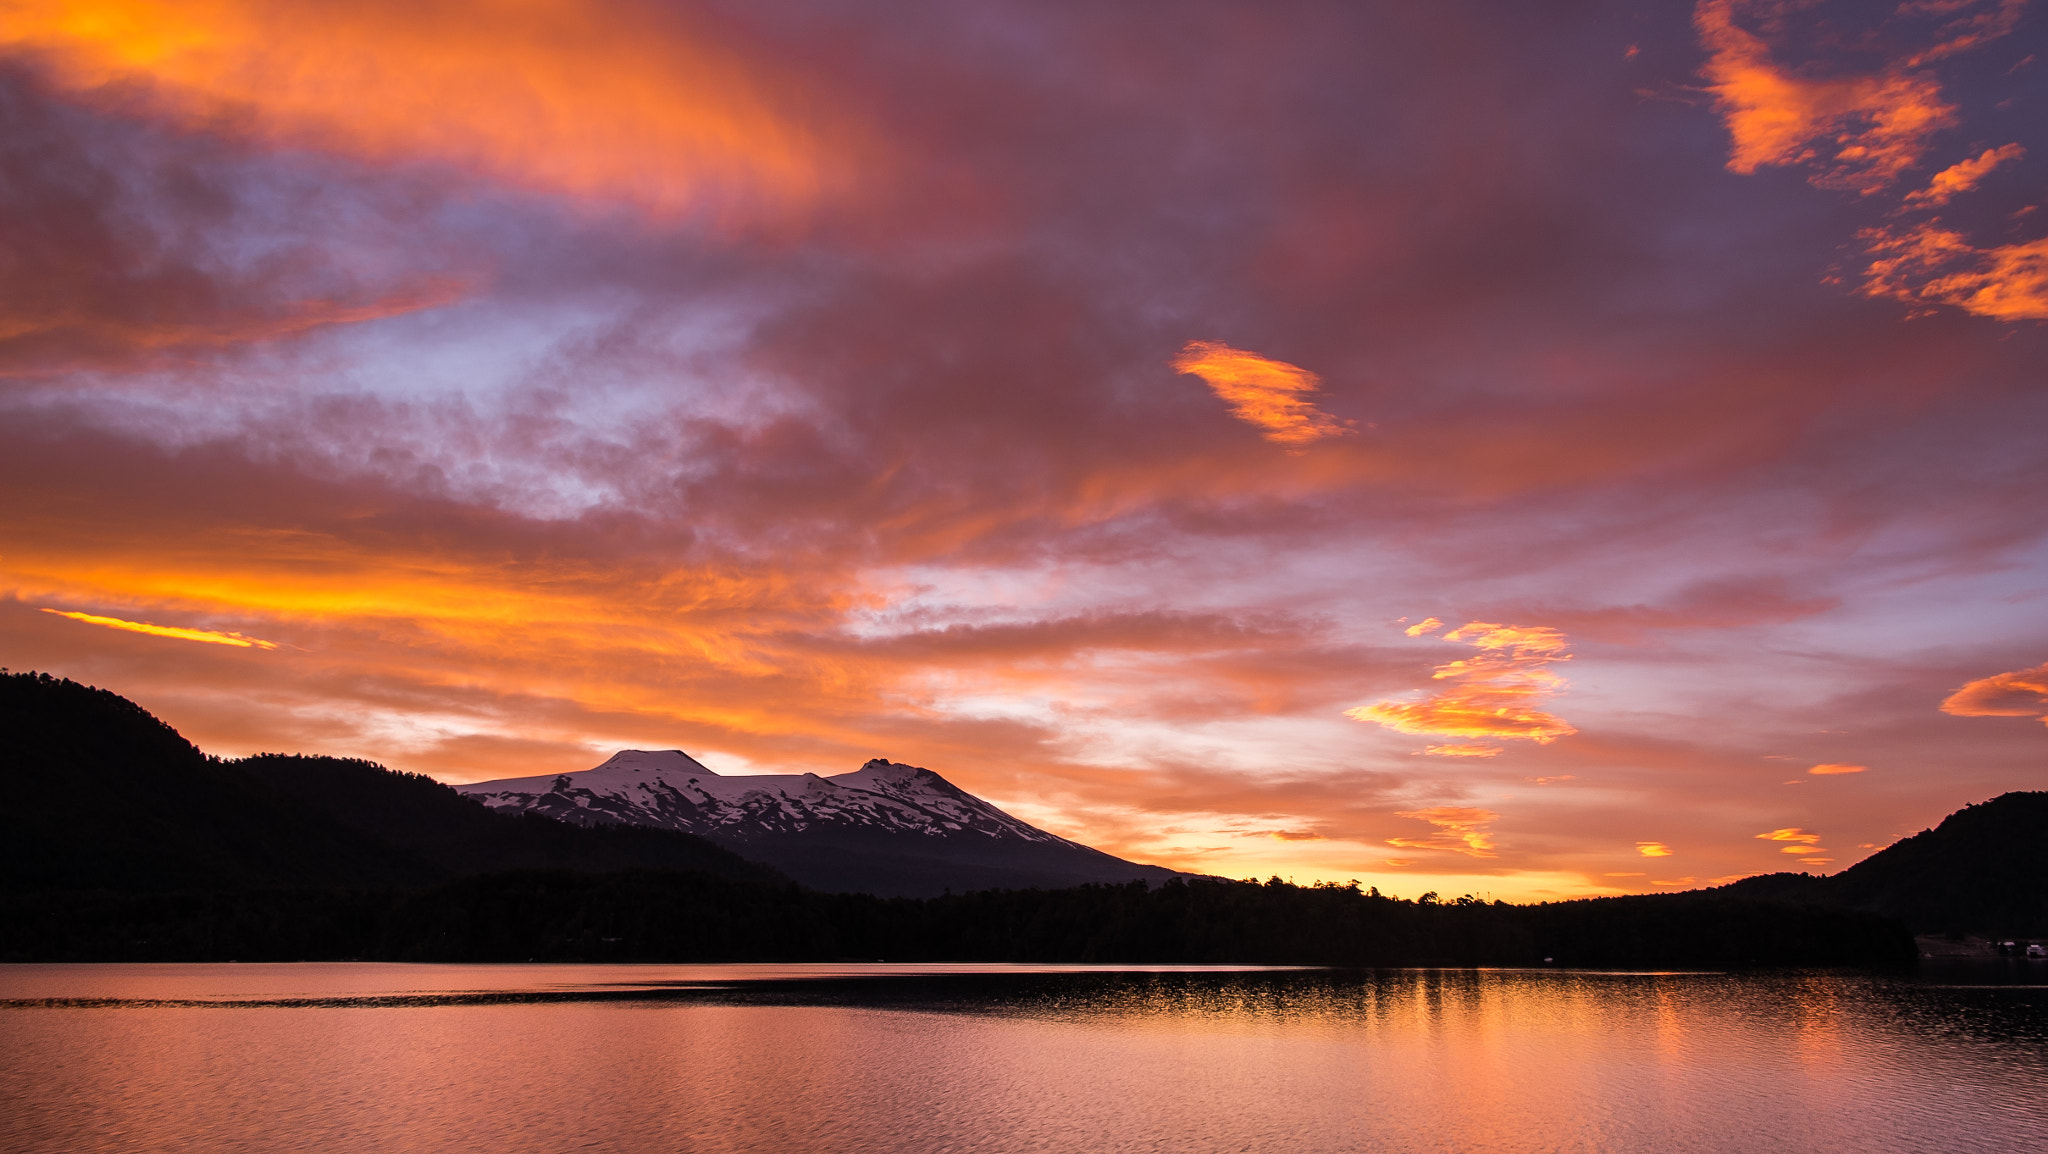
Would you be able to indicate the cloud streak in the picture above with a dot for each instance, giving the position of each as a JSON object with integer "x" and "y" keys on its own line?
{"x": 179, "y": 633}
{"x": 2021, "y": 693}
{"x": 1492, "y": 695}
{"x": 1269, "y": 395}
{"x": 562, "y": 96}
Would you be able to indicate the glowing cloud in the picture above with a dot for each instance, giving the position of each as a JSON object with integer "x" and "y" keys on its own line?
{"x": 1426, "y": 625}
{"x": 1653, "y": 849}
{"x": 565, "y": 96}
{"x": 1876, "y": 126}
{"x": 2021, "y": 693}
{"x": 1861, "y": 133}
{"x": 1459, "y": 830}
{"x": 1261, "y": 392}
{"x": 2008, "y": 283}
{"x": 1830, "y": 769}
{"x": 1962, "y": 176}
{"x": 207, "y": 635}
{"x": 1462, "y": 751}
{"x": 1492, "y": 695}
{"x": 1803, "y": 843}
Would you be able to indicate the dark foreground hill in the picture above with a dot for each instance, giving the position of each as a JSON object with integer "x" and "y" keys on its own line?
{"x": 122, "y": 842}
{"x": 100, "y": 795}
{"x": 656, "y": 916}
{"x": 1983, "y": 870}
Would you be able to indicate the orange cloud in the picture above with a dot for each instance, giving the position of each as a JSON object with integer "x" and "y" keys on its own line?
{"x": 1829, "y": 769}
{"x": 1861, "y": 131}
{"x": 2021, "y": 693}
{"x": 1653, "y": 849}
{"x": 1261, "y": 392}
{"x": 1462, "y": 751}
{"x": 563, "y": 96}
{"x": 1803, "y": 843}
{"x": 1492, "y": 695}
{"x": 207, "y": 635}
{"x": 1459, "y": 830}
{"x": 1426, "y": 625}
{"x": 2009, "y": 282}
{"x": 1962, "y": 176}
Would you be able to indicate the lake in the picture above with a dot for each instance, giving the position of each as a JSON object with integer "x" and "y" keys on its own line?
{"x": 373, "y": 1057}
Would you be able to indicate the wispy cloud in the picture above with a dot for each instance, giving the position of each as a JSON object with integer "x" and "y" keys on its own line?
{"x": 1805, "y": 844}
{"x": 1962, "y": 176}
{"x": 1831, "y": 769}
{"x": 1269, "y": 394}
{"x": 1653, "y": 849}
{"x": 1862, "y": 132}
{"x": 1491, "y": 695}
{"x": 564, "y": 96}
{"x": 1925, "y": 265}
{"x": 2021, "y": 693}
{"x": 1459, "y": 829}
{"x": 208, "y": 636}
{"x": 1859, "y": 132}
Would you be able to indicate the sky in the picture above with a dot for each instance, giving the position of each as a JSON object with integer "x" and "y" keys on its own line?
{"x": 1529, "y": 450}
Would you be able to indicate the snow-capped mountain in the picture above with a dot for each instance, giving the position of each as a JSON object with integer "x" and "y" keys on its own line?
{"x": 885, "y": 828}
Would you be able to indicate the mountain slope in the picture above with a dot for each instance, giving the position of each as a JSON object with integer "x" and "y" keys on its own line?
{"x": 102, "y": 795}
{"x": 1983, "y": 870}
{"x": 887, "y": 829}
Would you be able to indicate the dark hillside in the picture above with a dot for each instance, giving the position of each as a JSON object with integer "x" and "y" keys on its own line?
{"x": 1983, "y": 870}
{"x": 457, "y": 837}
{"x": 100, "y": 795}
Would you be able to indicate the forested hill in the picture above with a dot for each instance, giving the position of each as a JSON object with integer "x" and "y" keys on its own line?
{"x": 103, "y": 796}
{"x": 1983, "y": 870}
{"x": 121, "y": 841}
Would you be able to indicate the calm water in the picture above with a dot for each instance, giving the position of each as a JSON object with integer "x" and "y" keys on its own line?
{"x": 348, "y": 1057}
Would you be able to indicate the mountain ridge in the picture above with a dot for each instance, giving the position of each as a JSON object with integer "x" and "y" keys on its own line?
{"x": 886, "y": 828}
{"x": 1982, "y": 869}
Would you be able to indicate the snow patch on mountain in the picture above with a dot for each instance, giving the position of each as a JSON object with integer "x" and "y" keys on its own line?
{"x": 669, "y": 789}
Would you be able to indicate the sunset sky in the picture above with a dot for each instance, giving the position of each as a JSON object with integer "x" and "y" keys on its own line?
{"x": 1524, "y": 449}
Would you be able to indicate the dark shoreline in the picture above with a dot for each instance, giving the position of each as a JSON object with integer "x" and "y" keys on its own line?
{"x": 664, "y": 916}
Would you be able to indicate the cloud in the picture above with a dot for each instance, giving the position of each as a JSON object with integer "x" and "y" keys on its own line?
{"x": 1804, "y": 844}
{"x": 1492, "y": 695}
{"x": 1454, "y": 750}
{"x": 1426, "y": 625}
{"x": 1265, "y": 393}
{"x": 1926, "y": 264}
{"x": 209, "y": 636}
{"x": 127, "y": 248}
{"x": 563, "y": 96}
{"x": 1962, "y": 176}
{"x": 1653, "y": 849}
{"x": 1829, "y": 769}
{"x": 1861, "y": 132}
{"x": 2021, "y": 693}
{"x": 1460, "y": 829}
